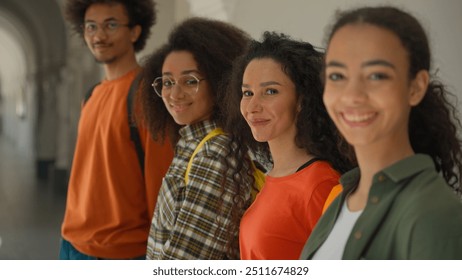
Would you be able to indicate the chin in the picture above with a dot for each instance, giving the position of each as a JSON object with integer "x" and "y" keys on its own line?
{"x": 260, "y": 139}
{"x": 103, "y": 60}
{"x": 181, "y": 121}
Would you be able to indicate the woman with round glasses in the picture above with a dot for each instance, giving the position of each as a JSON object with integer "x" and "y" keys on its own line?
{"x": 197, "y": 216}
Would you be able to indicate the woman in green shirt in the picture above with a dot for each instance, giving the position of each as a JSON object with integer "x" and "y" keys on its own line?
{"x": 403, "y": 129}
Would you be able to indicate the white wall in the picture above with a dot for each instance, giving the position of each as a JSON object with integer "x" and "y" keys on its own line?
{"x": 166, "y": 11}
{"x": 308, "y": 19}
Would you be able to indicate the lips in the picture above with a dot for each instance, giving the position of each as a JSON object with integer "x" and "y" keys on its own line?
{"x": 258, "y": 122}
{"x": 358, "y": 119}
{"x": 179, "y": 107}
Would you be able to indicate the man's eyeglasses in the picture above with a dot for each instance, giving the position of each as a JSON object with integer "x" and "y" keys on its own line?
{"x": 109, "y": 27}
{"x": 188, "y": 83}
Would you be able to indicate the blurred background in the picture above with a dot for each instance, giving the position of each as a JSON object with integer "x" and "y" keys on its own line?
{"x": 45, "y": 71}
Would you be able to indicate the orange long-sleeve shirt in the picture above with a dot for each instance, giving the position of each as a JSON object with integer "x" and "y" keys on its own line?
{"x": 109, "y": 204}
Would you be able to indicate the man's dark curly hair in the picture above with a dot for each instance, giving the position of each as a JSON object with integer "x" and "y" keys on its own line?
{"x": 434, "y": 122}
{"x": 302, "y": 63}
{"x": 214, "y": 45}
{"x": 140, "y": 12}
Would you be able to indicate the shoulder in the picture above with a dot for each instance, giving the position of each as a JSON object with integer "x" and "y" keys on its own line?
{"x": 430, "y": 211}
{"x": 427, "y": 193}
{"x": 320, "y": 171}
{"x": 217, "y": 146}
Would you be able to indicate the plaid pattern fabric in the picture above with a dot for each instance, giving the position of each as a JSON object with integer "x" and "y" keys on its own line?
{"x": 186, "y": 222}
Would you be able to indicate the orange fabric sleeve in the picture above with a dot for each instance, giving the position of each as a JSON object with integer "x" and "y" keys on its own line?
{"x": 333, "y": 194}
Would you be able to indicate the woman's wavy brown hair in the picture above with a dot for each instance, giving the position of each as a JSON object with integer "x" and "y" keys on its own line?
{"x": 434, "y": 123}
{"x": 302, "y": 63}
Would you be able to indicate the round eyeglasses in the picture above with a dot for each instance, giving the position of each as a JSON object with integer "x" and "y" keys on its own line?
{"x": 109, "y": 27}
{"x": 188, "y": 83}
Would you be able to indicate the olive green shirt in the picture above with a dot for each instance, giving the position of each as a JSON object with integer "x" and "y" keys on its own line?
{"x": 411, "y": 213}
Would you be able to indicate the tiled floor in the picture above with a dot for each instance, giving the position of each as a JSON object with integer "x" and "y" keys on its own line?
{"x": 30, "y": 211}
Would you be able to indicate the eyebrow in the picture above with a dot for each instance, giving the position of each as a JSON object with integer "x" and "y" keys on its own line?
{"x": 374, "y": 62}
{"x": 378, "y": 62}
{"x": 182, "y": 72}
{"x": 106, "y": 20}
{"x": 264, "y": 84}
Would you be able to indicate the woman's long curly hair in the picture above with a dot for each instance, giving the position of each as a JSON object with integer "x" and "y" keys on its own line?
{"x": 214, "y": 45}
{"x": 434, "y": 122}
{"x": 140, "y": 12}
{"x": 302, "y": 63}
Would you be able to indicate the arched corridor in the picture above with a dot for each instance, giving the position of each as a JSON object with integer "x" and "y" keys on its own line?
{"x": 30, "y": 210}
{"x": 33, "y": 48}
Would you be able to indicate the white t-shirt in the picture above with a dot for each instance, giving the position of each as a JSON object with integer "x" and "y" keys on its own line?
{"x": 333, "y": 247}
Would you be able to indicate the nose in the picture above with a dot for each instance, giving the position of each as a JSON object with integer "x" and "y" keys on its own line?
{"x": 354, "y": 92}
{"x": 253, "y": 104}
{"x": 177, "y": 92}
{"x": 100, "y": 33}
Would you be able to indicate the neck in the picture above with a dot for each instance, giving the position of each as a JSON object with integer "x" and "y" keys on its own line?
{"x": 287, "y": 158}
{"x": 116, "y": 69}
{"x": 371, "y": 160}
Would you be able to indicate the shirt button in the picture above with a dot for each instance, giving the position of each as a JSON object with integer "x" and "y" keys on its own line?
{"x": 375, "y": 199}
{"x": 381, "y": 178}
{"x": 358, "y": 235}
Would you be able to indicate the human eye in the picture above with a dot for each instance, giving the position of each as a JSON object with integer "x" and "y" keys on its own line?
{"x": 377, "y": 76}
{"x": 335, "y": 76}
{"x": 247, "y": 93}
{"x": 271, "y": 91}
{"x": 112, "y": 25}
{"x": 190, "y": 81}
{"x": 167, "y": 83}
{"x": 90, "y": 27}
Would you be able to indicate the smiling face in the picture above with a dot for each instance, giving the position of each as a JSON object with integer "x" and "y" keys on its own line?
{"x": 368, "y": 93}
{"x": 184, "y": 107}
{"x": 110, "y": 46}
{"x": 269, "y": 101}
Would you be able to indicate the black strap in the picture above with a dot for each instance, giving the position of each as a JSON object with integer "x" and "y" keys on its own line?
{"x": 134, "y": 134}
{"x": 259, "y": 166}
{"x": 306, "y": 164}
{"x": 89, "y": 93}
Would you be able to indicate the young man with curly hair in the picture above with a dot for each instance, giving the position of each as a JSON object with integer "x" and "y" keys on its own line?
{"x": 112, "y": 193}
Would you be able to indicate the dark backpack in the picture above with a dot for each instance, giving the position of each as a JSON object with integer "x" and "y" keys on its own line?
{"x": 134, "y": 134}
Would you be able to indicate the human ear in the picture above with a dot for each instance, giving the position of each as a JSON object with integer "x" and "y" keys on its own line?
{"x": 419, "y": 87}
{"x": 135, "y": 33}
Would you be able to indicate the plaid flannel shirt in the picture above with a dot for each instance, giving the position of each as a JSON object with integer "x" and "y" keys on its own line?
{"x": 185, "y": 224}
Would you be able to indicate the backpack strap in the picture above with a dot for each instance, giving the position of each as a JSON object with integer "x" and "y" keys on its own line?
{"x": 134, "y": 133}
{"x": 88, "y": 94}
{"x": 258, "y": 174}
{"x": 213, "y": 133}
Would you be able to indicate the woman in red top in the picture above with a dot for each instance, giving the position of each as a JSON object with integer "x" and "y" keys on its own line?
{"x": 278, "y": 89}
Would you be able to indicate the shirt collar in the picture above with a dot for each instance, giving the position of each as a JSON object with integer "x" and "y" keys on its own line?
{"x": 396, "y": 172}
{"x": 198, "y": 130}
{"x": 408, "y": 167}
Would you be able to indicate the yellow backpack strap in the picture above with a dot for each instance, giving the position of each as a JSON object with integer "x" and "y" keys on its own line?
{"x": 213, "y": 133}
{"x": 332, "y": 195}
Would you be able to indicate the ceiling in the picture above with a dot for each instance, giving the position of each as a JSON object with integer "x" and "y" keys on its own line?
{"x": 38, "y": 25}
